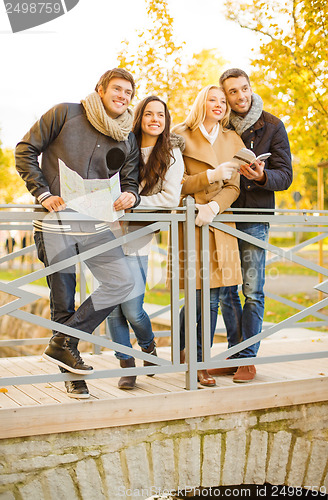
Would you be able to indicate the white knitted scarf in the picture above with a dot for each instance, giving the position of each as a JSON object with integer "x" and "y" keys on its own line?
{"x": 117, "y": 128}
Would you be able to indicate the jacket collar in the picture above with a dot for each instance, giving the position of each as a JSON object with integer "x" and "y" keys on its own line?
{"x": 200, "y": 149}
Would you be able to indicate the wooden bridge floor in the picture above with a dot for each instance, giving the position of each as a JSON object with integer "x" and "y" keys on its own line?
{"x": 45, "y": 408}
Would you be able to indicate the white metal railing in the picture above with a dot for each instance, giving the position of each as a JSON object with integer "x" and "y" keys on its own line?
{"x": 19, "y": 217}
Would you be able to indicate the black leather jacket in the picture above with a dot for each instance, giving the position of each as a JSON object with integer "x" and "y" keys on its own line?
{"x": 267, "y": 135}
{"x": 65, "y": 133}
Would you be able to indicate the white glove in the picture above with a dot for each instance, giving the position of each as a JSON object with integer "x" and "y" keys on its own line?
{"x": 222, "y": 172}
{"x": 206, "y": 213}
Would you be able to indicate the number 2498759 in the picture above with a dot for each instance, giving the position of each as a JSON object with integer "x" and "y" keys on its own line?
{"x": 33, "y": 7}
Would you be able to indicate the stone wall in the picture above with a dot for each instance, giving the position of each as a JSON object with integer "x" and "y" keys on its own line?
{"x": 286, "y": 446}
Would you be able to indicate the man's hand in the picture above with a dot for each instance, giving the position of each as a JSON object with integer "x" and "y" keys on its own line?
{"x": 222, "y": 172}
{"x": 54, "y": 204}
{"x": 125, "y": 200}
{"x": 254, "y": 173}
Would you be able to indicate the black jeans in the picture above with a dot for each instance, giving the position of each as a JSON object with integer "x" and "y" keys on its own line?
{"x": 109, "y": 268}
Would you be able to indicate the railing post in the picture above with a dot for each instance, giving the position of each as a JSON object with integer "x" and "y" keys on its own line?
{"x": 173, "y": 254}
{"x": 190, "y": 293}
{"x": 205, "y": 293}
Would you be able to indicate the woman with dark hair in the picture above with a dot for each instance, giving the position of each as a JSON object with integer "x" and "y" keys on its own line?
{"x": 161, "y": 171}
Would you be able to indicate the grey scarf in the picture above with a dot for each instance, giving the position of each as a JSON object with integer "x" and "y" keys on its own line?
{"x": 242, "y": 123}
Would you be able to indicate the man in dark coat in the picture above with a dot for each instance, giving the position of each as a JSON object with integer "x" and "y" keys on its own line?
{"x": 262, "y": 133}
{"x": 94, "y": 139}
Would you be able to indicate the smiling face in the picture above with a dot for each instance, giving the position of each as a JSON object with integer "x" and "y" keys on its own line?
{"x": 216, "y": 106}
{"x": 117, "y": 96}
{"x": 153, "y": 122}
{"x": 239, "y": 94}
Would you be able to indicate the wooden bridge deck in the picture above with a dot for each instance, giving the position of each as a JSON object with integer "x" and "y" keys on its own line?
{"x": 45, "y": 407}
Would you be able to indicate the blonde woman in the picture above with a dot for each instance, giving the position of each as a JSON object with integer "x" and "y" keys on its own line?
{"x": 213, "y": 180}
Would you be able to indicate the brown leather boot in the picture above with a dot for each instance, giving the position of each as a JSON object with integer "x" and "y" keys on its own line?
{"x": 150, "y": 350}
{"x": 244, "y": 374}
{"x": 205, "y": 379}
{"x": 128, "y": 382}
{"x": 228, "y": 370}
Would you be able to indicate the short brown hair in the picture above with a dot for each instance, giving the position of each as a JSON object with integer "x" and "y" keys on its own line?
{"x": 116, "y": 73}
{"x": 233, "y": 73}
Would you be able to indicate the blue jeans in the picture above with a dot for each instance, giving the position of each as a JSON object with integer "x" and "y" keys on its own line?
{"x": 214, "y": 306}
{"x": 109, "y": 268}
{"x": 132, "y": 311}
{"x": 244, "y": 323}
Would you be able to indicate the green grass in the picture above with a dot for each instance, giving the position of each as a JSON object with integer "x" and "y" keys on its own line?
{"x": 159, "y": 296}
{"x": 13, "y": 274}
{"x": 290, "y": 268}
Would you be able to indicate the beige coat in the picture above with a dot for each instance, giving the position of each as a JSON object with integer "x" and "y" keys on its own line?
{"x": 199, "y": 156}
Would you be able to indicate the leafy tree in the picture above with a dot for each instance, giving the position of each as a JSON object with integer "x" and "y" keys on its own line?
{"x": 203, "y": 69}
{"x": 290, "y": 73}
{"x": 11, "y": 185}
{"x": 161, "y": 66}
{"x": 156, "y": 62}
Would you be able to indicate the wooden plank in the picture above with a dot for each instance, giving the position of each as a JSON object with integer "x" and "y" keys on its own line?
{"x": 19, "y": 368}
{"x": 149, "y": 387}
{"x": 167, "y": 386}
{"x": 55, "y": 389}
{"x": 143, "y": 386}
{"x": 108, "y": 388}
{"x": 20, "y": 397}
{"x": 7, "y": 402}
{"x": 103, "y": 414}
{"x": 177, "y": 379}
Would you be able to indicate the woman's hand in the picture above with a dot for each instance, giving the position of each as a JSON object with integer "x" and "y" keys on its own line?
{"x": 206, "y": 213}
{"x": 222, "y": 172}
{"x": 125, "y": 200}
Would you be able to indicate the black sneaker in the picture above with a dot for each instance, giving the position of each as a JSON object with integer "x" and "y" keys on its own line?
{"x": 66, "y": 356}
{"x": 77, "y": 389}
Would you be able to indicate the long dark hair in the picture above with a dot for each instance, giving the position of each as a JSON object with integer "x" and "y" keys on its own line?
{"x": 160, "y": 158}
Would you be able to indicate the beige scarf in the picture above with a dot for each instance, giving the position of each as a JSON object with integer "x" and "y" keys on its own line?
{"x": 118, "y": 128}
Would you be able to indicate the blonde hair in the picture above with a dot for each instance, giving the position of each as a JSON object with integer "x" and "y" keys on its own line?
{"x": 197, "y": 113}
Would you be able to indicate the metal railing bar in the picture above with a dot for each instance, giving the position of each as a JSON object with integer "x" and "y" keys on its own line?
{"x": 293, "y": 304}
{"x": 164, "y": 309}
{"x": 273, "y": 219}
{"x": 300, "y": 246}
{"x": 273, "y": 329}
{"x": 190, "y": 295}
{"x": 94, "y": 339}
{"x": 96, "y": 374}
{"x": 287, "y": 254}
{"x": 85, "y": 255}
{"x": 141, "y": 208}
{"x": 261, "y": 360}
{"x": 175, "y": 322}
{"x": 300, "y": 229}
{"x": 17, "y": 253}
{"x": 205, "y": 293}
